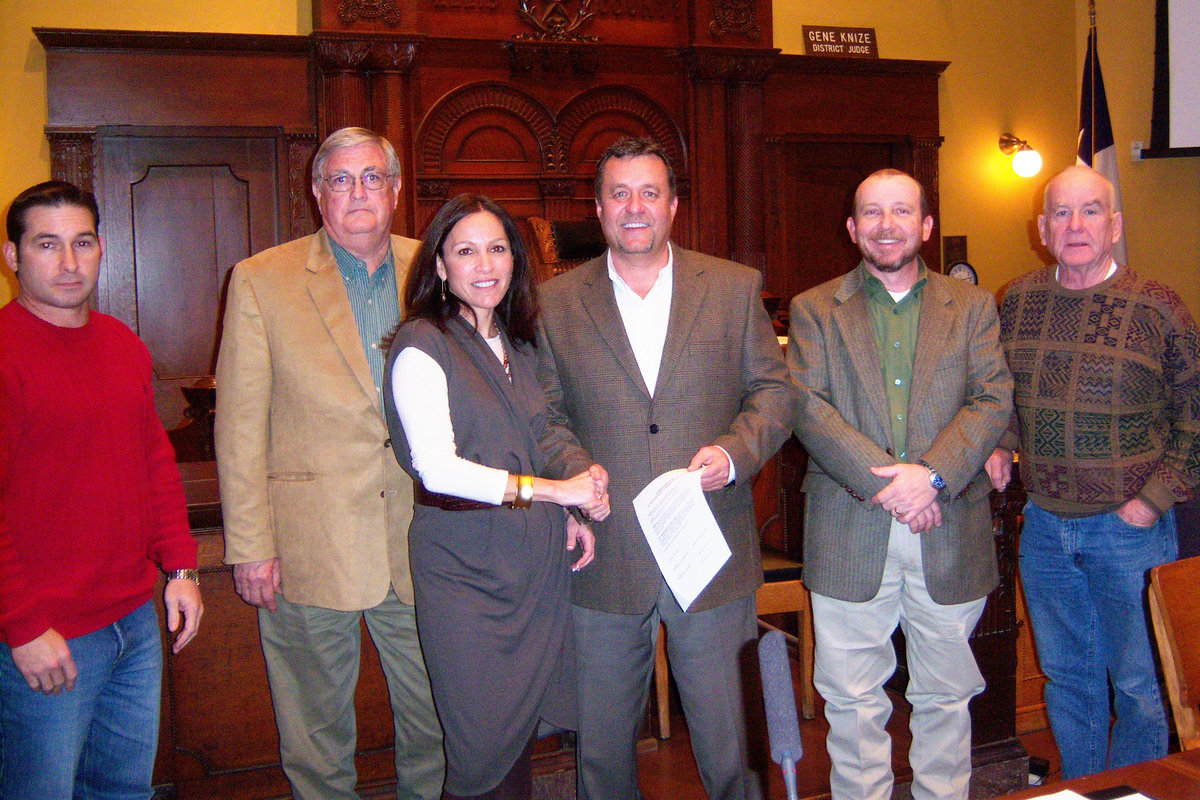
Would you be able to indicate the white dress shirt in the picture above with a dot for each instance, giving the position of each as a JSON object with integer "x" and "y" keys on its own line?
{"x": 646, "y": 317}
{"x": 646, "y": 320}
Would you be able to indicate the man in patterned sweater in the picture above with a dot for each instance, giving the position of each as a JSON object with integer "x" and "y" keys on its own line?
{"x": 1108, "y": 411}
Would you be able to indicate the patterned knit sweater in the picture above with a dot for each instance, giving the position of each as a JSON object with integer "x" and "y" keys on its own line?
{"x": 1107, "y": 392}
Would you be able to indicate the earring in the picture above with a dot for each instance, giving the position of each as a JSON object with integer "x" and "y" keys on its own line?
{"x": 443, "y": 290}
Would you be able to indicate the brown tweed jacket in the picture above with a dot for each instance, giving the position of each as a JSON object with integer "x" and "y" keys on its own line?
{"x": 722, "y": 381}
{"x": 959, "y": 405}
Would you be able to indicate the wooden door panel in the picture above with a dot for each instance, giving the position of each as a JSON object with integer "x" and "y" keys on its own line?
{"x": 809, "y": 193}
{"x": 177, "y": 212}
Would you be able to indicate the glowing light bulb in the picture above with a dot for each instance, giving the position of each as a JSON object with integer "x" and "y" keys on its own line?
{"x": 1027, "y": 162}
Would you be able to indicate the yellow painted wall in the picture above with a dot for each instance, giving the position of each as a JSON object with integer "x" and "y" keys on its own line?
{"x": 1161, "y": 197}
{"x": 1014, "y": 67}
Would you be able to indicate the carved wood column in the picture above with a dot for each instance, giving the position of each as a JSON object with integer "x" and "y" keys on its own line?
{"x": 707, "y": 146}
{"x": 390, "y": 62}
{"x": 728, "y": 84}
{"x": 72, "y": 155}
{"x": 301, "y": 213}
{"x": 557, "y": 195}
{"x": 925, "y": 170}
{"x": 344, "y": 86}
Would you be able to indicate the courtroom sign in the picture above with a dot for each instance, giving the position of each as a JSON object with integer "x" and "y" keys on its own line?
{"x": 840, "y": 42}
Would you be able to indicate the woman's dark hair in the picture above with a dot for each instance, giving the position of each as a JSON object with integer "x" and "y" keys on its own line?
{"x": 423, "y": 289}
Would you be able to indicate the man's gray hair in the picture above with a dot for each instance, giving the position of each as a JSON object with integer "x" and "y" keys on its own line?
{"x": 352, "y": 137}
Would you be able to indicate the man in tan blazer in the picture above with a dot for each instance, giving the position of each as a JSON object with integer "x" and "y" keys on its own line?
{"x": 904, "y": 392}
{"x": 316, "y": 508}
{"x": 655, "y": 358}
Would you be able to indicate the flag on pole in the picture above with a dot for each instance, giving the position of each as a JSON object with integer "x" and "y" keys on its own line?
{"x": 1096, "y": 147}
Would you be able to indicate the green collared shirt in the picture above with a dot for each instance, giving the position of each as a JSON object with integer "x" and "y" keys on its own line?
{"x": 896, "y": 336}
{"x": 374, "y": 301}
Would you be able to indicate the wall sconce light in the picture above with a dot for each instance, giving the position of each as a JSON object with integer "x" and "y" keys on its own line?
{"x": 1026, "y": 161}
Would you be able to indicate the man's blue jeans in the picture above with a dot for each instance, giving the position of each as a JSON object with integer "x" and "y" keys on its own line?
{"x": 1085, "y": 584}
{"x": 97, "y": 740}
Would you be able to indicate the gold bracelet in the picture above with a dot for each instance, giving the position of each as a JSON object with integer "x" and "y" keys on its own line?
{"x": 524, "y": 496}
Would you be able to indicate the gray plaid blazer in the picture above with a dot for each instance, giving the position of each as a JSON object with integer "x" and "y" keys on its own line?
{"x": 722, "y": 381}
{"x": 959, "y": 405}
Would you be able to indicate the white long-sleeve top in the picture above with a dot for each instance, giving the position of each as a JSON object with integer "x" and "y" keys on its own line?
{"x": 423, "y": 405}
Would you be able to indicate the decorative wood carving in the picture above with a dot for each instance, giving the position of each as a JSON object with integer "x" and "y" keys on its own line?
{"x": 731, "y": 66}
{"x": 435, "y": 190}
{"x": 391, "y": 55}
{"x": 467, "y": 100}
{"x": 609, "y": 102}
{"x": 555, "y": 20}
{"x": 345, "y": 84}
{"x": 735, "y": 17}
{"x": 639, "y": 9}
{"x": 746, "y": 160}
{"x": 71, "y": 156}
{"x": 553, "y": 57}
{"x": 925, "y": 170}
{"x": 557, "y": 187}
{"x": 350, "y": 11}
{"x": 300, "y": 214}
{"x": 463, "y": 5}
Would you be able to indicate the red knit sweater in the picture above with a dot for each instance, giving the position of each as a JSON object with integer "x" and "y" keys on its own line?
{"x": 90, "y": 499}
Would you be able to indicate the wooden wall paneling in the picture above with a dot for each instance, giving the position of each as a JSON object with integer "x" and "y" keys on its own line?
{"x": 219, "y": 738}
{"x": 809, "y": 188}
{"x": 177, "y": 212}
{"x": 709, "y": 209}
{"x": 99, "y": 78}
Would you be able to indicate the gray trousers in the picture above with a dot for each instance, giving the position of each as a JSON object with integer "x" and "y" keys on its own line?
{"x": 615, "y": 657}
{"x": 312, "y": 659}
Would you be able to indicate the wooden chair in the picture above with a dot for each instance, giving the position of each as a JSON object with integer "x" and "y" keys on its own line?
{"x": 561, "y": 245}
{"x": 782, "y": 592}
{"x": 1176, "y": 617}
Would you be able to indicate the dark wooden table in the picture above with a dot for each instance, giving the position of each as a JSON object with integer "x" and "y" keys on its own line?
{"x": 1176, "y": 777}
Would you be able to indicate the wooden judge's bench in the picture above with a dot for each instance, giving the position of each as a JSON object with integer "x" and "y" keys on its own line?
{"x": 198, "y": 147}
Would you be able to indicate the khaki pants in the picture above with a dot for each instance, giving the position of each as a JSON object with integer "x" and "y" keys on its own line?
{"x": 312, "y": 659}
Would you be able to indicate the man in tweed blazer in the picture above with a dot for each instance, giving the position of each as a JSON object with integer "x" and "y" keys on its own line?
{"x": 655, "y": 358}
{"x": 904, "y": 392}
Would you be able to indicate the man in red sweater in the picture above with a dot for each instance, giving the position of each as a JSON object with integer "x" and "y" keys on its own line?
{"x": 91, "y": 507}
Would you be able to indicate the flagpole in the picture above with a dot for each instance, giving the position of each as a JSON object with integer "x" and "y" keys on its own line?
{"x": 1093, "y": 49}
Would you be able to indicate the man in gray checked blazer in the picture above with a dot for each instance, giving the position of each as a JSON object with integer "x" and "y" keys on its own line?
{"x": 904, "y": 392}
{"x": 655, "y": 358}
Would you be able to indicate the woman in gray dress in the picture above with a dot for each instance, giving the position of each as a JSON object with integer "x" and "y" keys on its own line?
{"x": 490, "y": 542}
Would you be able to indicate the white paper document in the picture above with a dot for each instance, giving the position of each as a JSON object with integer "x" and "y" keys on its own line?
{"x": 682, "y": 532}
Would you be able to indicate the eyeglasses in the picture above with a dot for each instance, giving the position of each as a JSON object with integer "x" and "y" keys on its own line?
{"x": 371, "y": 181}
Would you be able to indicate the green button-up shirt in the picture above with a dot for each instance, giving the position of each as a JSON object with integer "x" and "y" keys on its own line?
{"x": 896, "y": 336}
{"x": 374, "y": 301}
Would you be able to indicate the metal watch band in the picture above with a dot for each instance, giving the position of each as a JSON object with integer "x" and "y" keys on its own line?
{"x": 184, "y": 574}
{"x": 935, "y": 478}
